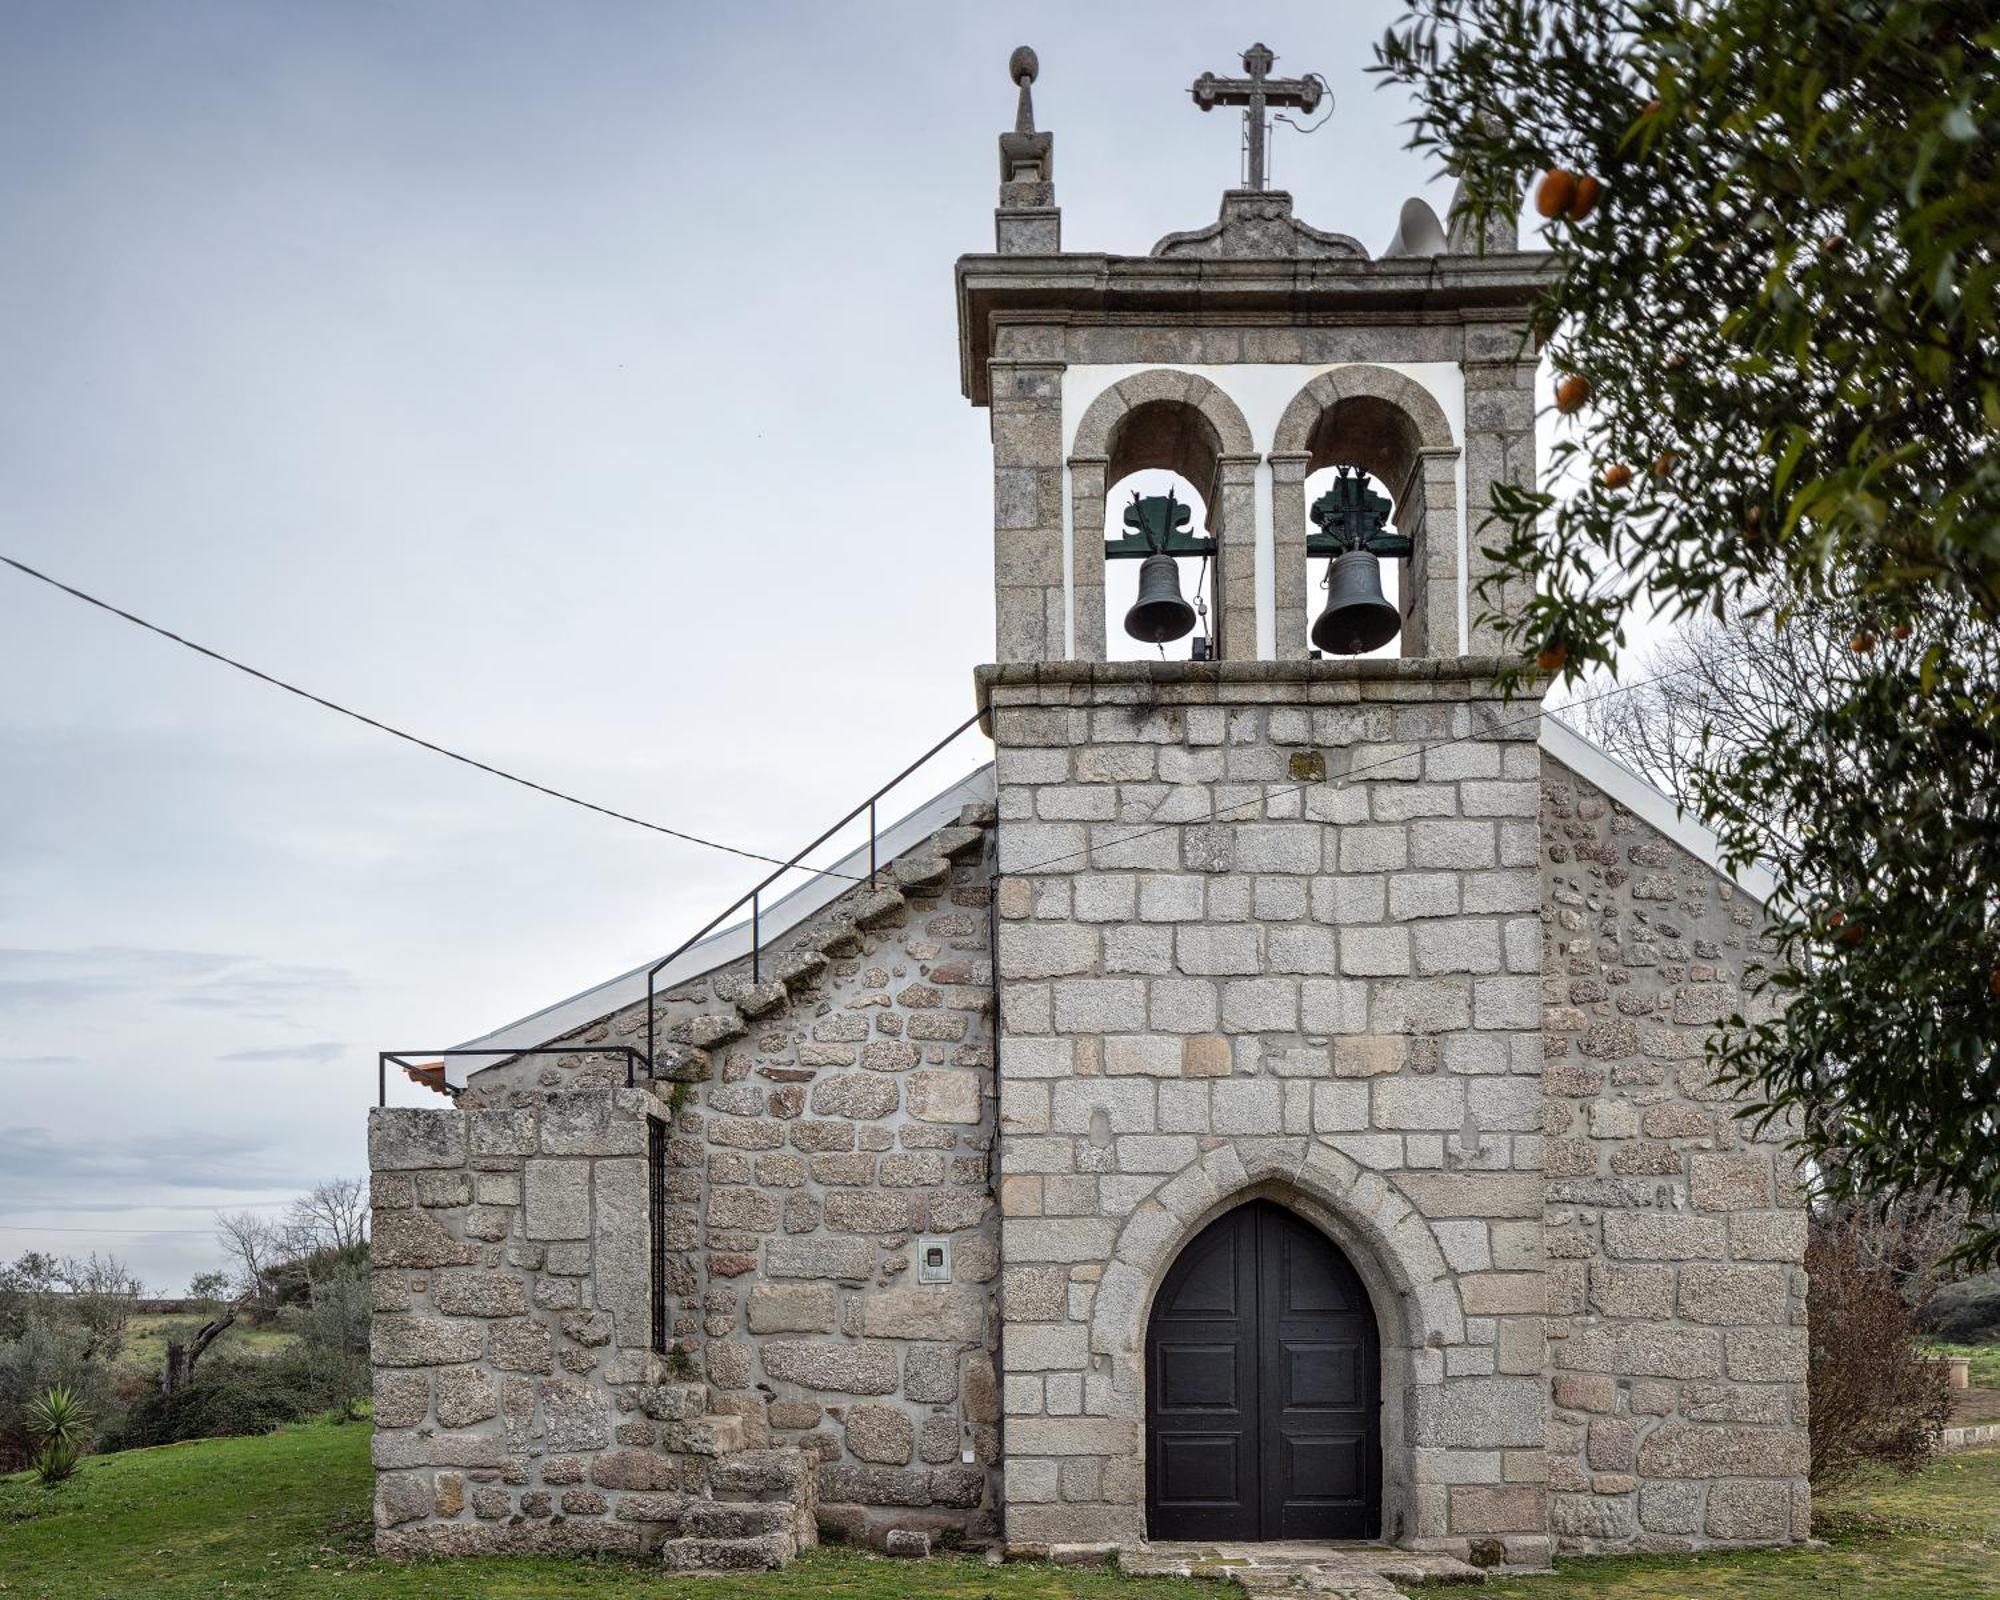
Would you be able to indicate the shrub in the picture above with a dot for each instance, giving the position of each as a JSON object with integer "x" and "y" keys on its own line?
{"x": 229, "y": 1395}
{"x": 60, "y": 1428}
{"x": 1966, "y": 1312}
{"x": 46, "y": 1355}
{"x": 1875, "y": 1397}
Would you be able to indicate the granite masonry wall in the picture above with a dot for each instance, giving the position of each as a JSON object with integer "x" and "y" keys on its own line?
{"x": 518, "y": 1405}
{"x": 1256, "y": 938}
{"x": 825, "y": 1121}
{"x": 1677, "y": 1290}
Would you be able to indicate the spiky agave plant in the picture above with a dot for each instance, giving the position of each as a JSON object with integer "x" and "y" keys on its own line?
{"x": 59, "y": 1425}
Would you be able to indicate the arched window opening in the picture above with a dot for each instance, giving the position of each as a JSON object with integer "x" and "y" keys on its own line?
{"x": 1349, "y": 509}
{"x": 1136, "y": 513}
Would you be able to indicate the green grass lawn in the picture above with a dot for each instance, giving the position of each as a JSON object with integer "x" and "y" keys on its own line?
{"x": 287, "y": 1515}
{"x": 146, "y": 1337}
{"x": 1985, "y": 1373}
{"x": 1932, "y": 1537}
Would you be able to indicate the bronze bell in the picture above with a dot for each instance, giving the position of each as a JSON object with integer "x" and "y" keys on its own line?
{"x": 1358, "y": 616}
{"x": 1159, "y": 615}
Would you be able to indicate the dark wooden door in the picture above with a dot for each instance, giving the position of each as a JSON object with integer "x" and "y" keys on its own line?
{"x": 1263, "y": 1387}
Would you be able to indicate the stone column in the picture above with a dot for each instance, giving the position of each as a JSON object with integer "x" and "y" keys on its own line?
{"x": 1235, "y": 580}
{"x": 1433, "y": 574}
{"x": 1086, "y": 523}
{"x": 1292, "y": 585}
{"x": 1029, "y": 611}
{"x": 1499, "y": 448}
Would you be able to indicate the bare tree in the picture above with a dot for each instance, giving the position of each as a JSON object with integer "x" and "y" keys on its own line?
{"x": 331, "y": 1215}
{"x": 102, "y": 1295}
{"x": 253, "y": 1244}
{"x": 1714, "y": 690}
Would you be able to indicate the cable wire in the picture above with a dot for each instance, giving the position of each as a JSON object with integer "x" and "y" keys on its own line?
{"x": 411, "y": 738}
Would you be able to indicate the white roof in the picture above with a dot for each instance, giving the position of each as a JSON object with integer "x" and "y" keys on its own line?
{"x": 1639, "y": 797}
{"x": 725, "y": 945}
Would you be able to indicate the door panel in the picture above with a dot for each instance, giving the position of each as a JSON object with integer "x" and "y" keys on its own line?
{"x": 1263, "y": 1387}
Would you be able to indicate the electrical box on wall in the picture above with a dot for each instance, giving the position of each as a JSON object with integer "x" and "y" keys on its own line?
{"x": 934, "y": 1261}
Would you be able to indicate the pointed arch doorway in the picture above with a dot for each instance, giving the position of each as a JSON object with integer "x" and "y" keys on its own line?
{"x": 1263, "y": 1387}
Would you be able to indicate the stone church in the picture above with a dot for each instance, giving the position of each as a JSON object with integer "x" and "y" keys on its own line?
{"x": 1266, "y": 1104}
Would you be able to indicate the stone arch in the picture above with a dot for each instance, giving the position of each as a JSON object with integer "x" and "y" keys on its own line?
{"x": 1418, "y": 1309}
{"x": 1393, "y": 428}
{"x": 1179, "y": 422}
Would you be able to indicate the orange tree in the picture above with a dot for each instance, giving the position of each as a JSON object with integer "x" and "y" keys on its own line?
{"x": 1773, "y": 226}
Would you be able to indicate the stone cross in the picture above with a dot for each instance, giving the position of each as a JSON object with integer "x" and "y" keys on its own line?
{"x": 1256, "y": 93}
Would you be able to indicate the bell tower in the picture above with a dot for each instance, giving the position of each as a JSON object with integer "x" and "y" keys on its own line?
{"x": 1268, "y": 911}
{"x": 1246, "y": 357}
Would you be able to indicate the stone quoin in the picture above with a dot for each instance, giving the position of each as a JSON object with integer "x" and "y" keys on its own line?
{"x": 878, "y": 1244}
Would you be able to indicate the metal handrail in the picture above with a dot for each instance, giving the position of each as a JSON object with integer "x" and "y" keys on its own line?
{"x": 384, "y": 1058}
{"x": 754, "y": 899}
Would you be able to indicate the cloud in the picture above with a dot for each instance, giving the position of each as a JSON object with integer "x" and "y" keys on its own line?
{"x": 318, "y": 1054}
{"x": 41, "y": 1061}
{"x": 200, "y": 980}
{"x": 42, "y": 1171}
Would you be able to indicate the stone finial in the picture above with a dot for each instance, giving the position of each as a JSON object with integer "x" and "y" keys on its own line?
{"x": 1027, "y": 221}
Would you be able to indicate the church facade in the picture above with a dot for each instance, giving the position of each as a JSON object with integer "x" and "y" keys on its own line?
{"x": 1268, "y": 1103}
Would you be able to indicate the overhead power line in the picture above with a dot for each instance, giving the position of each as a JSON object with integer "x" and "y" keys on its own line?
{"x": 408, "y": 738}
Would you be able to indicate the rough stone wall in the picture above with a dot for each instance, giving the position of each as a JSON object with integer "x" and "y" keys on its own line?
{"x": 517, "y": 1403}
{"x": 813, "y": 1144}
{"x": 1227, "y": 970}
{"x": 1677, "y": 1291}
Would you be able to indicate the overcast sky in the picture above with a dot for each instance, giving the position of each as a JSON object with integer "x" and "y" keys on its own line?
{"x": 573, "y": 384}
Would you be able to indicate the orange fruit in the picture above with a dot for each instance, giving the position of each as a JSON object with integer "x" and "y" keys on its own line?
{"x": 1571, "y": 393}
{"x": 1835, "y": 918}
{"x": 1900, "y": 632}
{"x": 1664, "y": 463}
{"x": 1552, "y": 657}
{"x": 1556, "y": 193}
{"x": 1617, "y": 476}
{"x": 1588, "y": 189}
{"x": 1862, "y": 642}
{"x": 1993, "y": 982}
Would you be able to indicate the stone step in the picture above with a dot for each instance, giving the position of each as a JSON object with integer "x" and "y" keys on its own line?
{"x": 797, "y": 967}
{"x": 780, "y": 1473}
{"x": 978, "y": 814}
{"x": 737, "y": 1519}
{"x": 956, "y": 841}
{"x": 681, "y": 1063}
{"x": 709, "y": 1029}
{"x": 838, "y": 938}
{"x": 765, "y": 1553}
{"x": 876, "y": 905}
{"x": 759, "y": 999}
{"x": 917, "y": 872}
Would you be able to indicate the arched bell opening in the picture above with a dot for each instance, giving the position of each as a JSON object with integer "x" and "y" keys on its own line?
{"x": 1357, "y": 566}
{"x": 1263, "y": 1386}
{"x": 1144, "y": 510}
{"x": 1383, "y": 424}
{"x": 1157, "y": 432}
